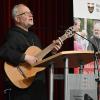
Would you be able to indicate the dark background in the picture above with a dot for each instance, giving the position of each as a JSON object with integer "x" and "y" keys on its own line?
{"x": 51, "y": 18}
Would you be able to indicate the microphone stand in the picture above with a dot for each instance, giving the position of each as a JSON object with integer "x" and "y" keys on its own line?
{"x": 95, "y": 52}
{"x": 96, "y": 63}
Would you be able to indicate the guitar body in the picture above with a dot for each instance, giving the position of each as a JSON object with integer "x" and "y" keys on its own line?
{"x": 23, "y": 75}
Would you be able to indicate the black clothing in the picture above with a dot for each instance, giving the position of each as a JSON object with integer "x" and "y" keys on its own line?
{"x": 12, "y": 52}
{"x": 18, "y": 41}
{"x": 96, "y": 42}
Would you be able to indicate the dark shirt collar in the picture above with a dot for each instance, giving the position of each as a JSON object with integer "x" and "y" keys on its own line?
{"x": 20, "y": 30}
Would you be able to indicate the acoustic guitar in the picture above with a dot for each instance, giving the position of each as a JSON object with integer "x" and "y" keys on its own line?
{"x": 23, "y": 75}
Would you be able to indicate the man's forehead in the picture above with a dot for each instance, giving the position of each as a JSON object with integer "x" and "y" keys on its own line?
{"x": 90, "y": 1}
{"x": 97, "y": 26}
{"x": 23, "y": 8}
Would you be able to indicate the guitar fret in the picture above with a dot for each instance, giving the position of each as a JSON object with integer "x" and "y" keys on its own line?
{"x": 64, "y": 37}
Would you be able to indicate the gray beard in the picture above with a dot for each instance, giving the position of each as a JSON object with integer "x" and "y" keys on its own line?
{"x": 97, "y": 36}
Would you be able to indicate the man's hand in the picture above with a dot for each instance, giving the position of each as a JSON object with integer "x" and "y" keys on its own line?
{"x": 57, "y": 45}
{"x": 30, "y": 59}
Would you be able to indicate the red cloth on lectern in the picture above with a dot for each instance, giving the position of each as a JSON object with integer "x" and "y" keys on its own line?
{"x": 88, "y": 68}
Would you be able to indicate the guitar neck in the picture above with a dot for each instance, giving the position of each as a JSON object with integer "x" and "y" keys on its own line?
{"x": 49, "y": 48}
{"x": 63, "y": 37}
{"x": 45, "y": 51}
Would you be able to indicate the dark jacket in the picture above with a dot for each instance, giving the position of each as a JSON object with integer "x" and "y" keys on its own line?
{"x": 17, "y": 43}
{"x": 94, "y": 44}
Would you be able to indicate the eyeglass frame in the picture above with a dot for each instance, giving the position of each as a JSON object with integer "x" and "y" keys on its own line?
{"x": 25, "y": 13}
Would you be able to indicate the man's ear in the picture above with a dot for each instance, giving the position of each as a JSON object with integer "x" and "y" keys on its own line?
{"x": 16, "y": 19}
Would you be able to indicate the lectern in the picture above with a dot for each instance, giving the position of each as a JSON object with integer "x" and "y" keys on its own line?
{"x": 65, "y": 60}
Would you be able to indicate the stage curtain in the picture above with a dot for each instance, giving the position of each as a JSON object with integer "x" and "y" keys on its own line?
{"x": 51, "y": 18}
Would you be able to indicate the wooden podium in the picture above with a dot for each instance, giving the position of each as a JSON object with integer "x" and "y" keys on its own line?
{"x": 65, "y": 59}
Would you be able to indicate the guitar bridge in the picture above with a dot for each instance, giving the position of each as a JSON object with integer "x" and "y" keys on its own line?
{"x": 21, "y": 72}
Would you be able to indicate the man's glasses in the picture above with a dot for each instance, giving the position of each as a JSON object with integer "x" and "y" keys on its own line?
{"x": 25, "y": 13}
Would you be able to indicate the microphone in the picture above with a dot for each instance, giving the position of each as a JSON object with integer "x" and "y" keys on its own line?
{"x": 73, "y": 30}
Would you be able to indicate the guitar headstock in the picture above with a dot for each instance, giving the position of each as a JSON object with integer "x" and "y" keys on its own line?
{"x": 70, "y": 31}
